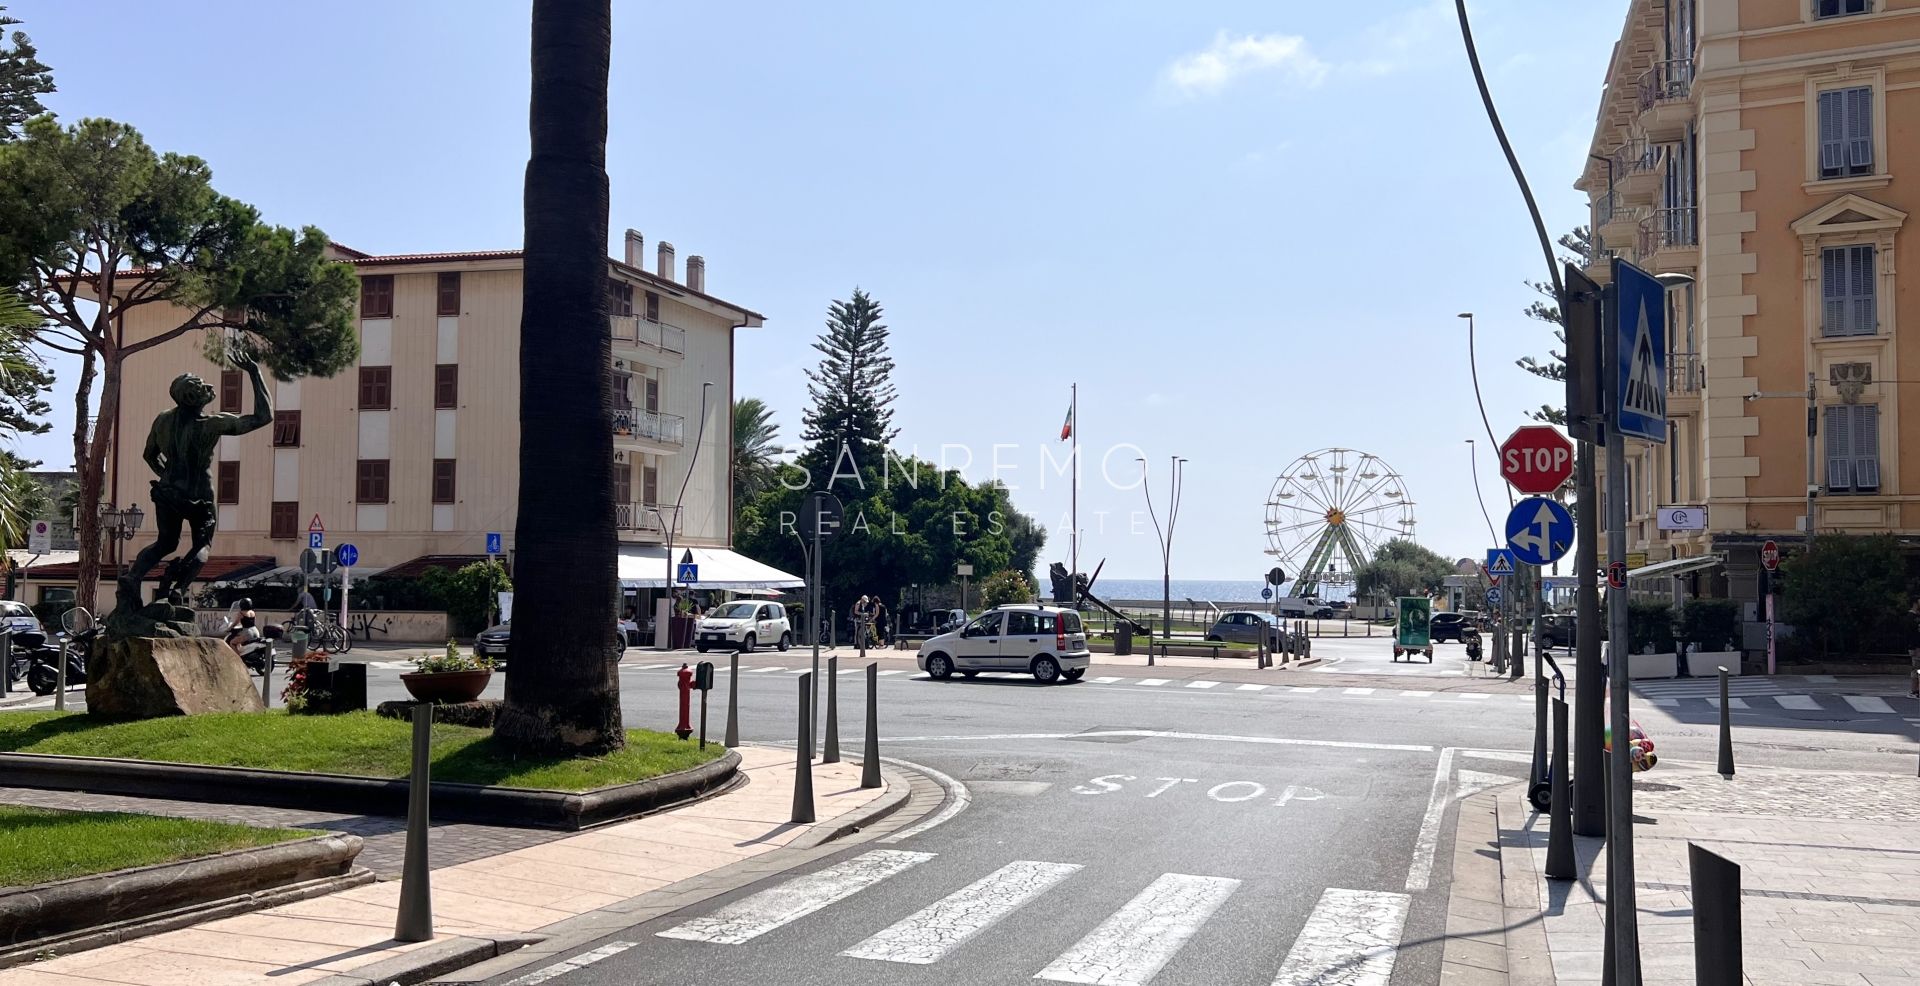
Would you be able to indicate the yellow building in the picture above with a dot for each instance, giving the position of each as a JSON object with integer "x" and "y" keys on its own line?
{"x": 1766, "y": 147}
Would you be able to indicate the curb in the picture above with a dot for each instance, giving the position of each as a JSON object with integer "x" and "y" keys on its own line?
{"x": 510, "y": 807}
{"x": 895, "y": 799}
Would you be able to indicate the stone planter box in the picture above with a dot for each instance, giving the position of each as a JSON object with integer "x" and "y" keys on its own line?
{"x": 1707, "y": 664}
{"x": 1649, "y": 666}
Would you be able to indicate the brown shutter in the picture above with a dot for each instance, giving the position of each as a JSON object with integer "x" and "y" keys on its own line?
{"x": 376, "y": 296}
{"x": 446, "y": 385}
{"x": 370, "y": 484}
{"x": 376, "y": 388}
{"x": 284, "y": 524}
{"x": 650, "y": 485}
{"x": 653, "y": 307}
{"x": 228, "y": 488}
{"x": 286, "y": 429}
{"x": 230, "y": 391}
{"x": 443, "y": 475}
{"x": 449, "y": 293}
{"x": 622, "y": 486}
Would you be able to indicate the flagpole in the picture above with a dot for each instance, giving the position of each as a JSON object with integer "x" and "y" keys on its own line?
{"x": 1073, "y": 460}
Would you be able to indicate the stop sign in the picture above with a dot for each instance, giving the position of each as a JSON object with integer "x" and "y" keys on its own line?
{"x": 1770, "y": 556}
{"x": 1536, "y": 459}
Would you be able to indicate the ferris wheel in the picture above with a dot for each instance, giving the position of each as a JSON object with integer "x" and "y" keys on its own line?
{"x": 1328, "y": 513}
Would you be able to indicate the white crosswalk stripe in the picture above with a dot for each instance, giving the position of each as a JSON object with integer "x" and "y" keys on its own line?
{"x": 1732, "y": 702}
{"x": 1252, "y": 688}
{"x": 763, "y": 670}
{"x": 1801, "y": 702}
{"x": 891, "y": 671}
{"x": 933, "y": 931}
{"x": 1868, "y": 703}
{"x": 750, "y": 917}
{"x": 1360, "y": 691}
{"x": 1142, "y": 936}
{"x": 1202, "y": 684}
{"x": 1152, "y": 681}
{"x": 1105, "y": 681}
{"x": 1351, "y": 938}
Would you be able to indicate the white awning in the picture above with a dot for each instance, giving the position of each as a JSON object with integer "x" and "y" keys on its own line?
{"x": 24, "y": 561}
{"x": 1675, "y": 566}
{"x": 645, "y": 567}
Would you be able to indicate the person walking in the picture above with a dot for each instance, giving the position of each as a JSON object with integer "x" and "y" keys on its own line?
{"x": 862, "y": 619}
{"x": 879, "y": 622}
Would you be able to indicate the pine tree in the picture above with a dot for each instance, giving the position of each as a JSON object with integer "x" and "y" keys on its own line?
{"x": 23, "y": 403}
{"x": 23, "y": 80}
{"x": 850, "y": 424}
{"x": 1579, "y": 247}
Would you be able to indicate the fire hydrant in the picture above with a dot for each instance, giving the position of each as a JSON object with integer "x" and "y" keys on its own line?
{"x": 685, "y": 729}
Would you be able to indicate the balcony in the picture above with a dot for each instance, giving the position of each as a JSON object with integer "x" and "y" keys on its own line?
{"x": 1600, "y": 262}
{"x": 1686, "y": 382}
{"x": 647, "y": 519}
{"x": 1665, "y": 99}
{"x": 1616, "y": 221}
{"x": 1670, "y": 239}
{"x": 1637, "y": 168}
{"x": 649, "y": 431}
{"x": 650, "y": 340}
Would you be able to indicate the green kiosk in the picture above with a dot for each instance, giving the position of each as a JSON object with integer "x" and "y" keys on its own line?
{"x": 1411, "y": 636}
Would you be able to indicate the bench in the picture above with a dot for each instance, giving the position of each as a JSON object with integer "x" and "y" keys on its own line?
{"x": 1165, "y": 646}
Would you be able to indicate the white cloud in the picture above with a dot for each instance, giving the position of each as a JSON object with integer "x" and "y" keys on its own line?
{"x": 1231, "y": 57}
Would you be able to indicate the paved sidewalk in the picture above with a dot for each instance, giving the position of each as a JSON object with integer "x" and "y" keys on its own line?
{"x": 511, "y": 894}
{"x": 1830, "y": 877}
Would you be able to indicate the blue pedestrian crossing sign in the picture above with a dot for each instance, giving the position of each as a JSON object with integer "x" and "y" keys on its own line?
{"x": 493, "y": 543}
{"x": 1499, "y": 562}
{"x": 316, "y": 540}
{"x": 1539, "y": 531}
{"x": 1639, "y": 354}
{"x": 348, "y": 555}
{"x": 687, "y": 572}
{"x": 1495, "y": 597}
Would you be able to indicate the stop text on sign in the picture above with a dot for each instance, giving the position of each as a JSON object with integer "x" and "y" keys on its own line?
{"x": 1547, "y": 460}
{"x": 1536, "y": 459}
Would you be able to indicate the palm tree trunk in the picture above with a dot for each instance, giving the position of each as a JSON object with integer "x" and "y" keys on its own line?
{"x": 562, "y": 676}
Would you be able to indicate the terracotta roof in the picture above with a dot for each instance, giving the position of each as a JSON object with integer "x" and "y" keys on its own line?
{"x": 218, "y": 567}
{"x": 372, "y": 260}
{"x": 416, "y": 567}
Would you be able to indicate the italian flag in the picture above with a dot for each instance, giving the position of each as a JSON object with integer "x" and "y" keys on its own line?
{"x": 1066, "y": 430}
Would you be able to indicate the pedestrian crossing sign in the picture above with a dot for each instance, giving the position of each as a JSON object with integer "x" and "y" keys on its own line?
{"x": 1499, "y": 562}
{"x": 1639, "y": 348}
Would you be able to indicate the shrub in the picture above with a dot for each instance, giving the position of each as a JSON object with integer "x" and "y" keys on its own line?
{"x": 1848, "y": 593}
{"x": 1649, "y": 624}
{"x": 1710, "y": 624}
{"x": 1006, "y": 586}
{"x": 468, "y": 593}
{"x": 452, "y": 660}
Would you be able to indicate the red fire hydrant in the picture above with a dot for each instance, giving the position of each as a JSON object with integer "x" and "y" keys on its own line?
{"x": 685, "y": 729}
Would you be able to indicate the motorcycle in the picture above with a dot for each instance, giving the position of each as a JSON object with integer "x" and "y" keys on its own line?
{"x": 1472, "y": 639}
{"x": 43, "y": 676}
{"x": 26, "y": 641}
{"x": 254, "y": 644}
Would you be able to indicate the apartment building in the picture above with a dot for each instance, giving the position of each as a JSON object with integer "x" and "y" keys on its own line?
{"x": 1766, "y": 147}
{"x": 412, "y": 455}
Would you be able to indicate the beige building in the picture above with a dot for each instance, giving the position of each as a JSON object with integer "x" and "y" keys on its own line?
{"x": 1767, "y": 148}
{"x": 412, "y": 453}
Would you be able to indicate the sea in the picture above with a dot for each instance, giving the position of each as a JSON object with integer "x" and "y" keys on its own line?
{"x": 1200, "y": 590}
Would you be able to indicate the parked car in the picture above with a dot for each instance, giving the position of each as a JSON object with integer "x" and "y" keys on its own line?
{"x": 1557, "y": 629}
{"x": 1297, "y": 608}
{"x": 1448, "y": 626}
{"x": 949, "y": 620}
{"x": 744, "y": 625}
{"x": 1045, "y": 641}
{"x": 17, "y": 616}
{"x": 1245, "y": 627}
{"x": 492, "y": 642}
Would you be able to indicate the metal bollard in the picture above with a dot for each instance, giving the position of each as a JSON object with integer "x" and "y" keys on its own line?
{"x": 802, "y": 764}
{"x": 415, "y": 921}
{"x": 831, "y": 753}
{"x": 870, "y": 759}
{"x": 6, "y": 662}
{"x": 60, "y": 680}
{"x": 1716, "y": 918}
{"x": 266, "y": 677}
{"x": 733, "y": 701}
{"x": 1560, "y": 859}
{"x": 1726, "y": 728}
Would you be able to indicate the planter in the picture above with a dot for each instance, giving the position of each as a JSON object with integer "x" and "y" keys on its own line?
{"x": 1707, "y": 663}
{"x": 447, "y": 686}
{"x": 1641, "y": 666}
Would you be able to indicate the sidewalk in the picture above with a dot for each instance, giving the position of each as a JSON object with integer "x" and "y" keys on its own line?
{"x": 507, "y": 897}
{"x": 1830, "y": 878}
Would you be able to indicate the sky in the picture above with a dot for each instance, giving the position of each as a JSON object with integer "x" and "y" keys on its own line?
{"x": 1243, "y": 228}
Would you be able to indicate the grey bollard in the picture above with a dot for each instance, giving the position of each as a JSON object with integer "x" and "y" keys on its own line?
{"x": 733, "y": 701}
{"x": 870, "y": 758}
{"x": 802, "y": 764}
{"x": 6, "y": 662}
{"x": 415, "y": 921}
{"x": 1716, "y": 918}
{"x": 1561, "y": 864}
{"x": 266, "y": 678}
{"x": 60, "y": 680}
{"x": 1726, "y": 729}
{"x": 831, "y": 753}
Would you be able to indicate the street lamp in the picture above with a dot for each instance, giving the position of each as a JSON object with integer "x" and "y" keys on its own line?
{"x": 118, "y": 525}
{"x": 663, "y": 636}
{"x": 1473, "y": 466}
{"x": 1174, "y": 489}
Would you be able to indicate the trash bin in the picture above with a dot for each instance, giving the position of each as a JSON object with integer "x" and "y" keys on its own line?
{"x": 1122, "y": 640}
{"x": 298, "y": 640}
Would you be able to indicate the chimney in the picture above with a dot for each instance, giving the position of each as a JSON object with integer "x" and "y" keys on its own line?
{"x": 697, "y": 273}
{"x": 636, "y": 249}
{"x": 665, "y": 268}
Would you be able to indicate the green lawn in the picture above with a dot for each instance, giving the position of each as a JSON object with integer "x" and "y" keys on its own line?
{"x": 39, "y": 845}
{"x": 358, "y": 743}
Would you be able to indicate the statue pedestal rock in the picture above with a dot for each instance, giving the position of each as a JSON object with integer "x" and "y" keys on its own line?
{"x": 148, "y": 677}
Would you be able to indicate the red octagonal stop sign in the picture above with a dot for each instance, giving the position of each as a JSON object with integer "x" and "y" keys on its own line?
{"x": 1536, "y": 459}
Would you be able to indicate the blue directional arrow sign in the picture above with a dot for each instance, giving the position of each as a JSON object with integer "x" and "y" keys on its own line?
{"x": 1539, "y": 531}
{"x": 1266, "y": 592}
{"x": 1494, "y": 597}
{"x": 1499, "y": 562}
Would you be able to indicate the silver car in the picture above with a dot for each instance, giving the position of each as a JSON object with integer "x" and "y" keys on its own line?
{"x": 1244, "y": 627}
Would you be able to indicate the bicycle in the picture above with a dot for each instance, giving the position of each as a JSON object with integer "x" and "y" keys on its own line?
{"x": 323, "y": 633}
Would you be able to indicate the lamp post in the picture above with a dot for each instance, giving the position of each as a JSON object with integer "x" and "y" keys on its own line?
{"x": 1166, "y": 537}
{"x": 1473, "y": 466}
{"x": 664, "y": 636}
{"x": 118, "y": 525}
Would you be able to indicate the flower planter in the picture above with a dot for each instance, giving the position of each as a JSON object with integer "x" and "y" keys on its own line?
{"x": 446, "y": 686}
{"x": 1707, "y": 664}
{"x": 1641, "y": 666}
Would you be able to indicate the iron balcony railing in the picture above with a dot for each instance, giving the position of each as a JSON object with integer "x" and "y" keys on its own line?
{"x": 654, "y": 333}
{"x": 633, "y": 422}
{"x": 1670, "y": 79}
{"x": 1604, "y": 207}
{"x": 1667, "y": 228}
{"x": 1686, "y": 373}
{"x": 1636, "y": 156}
{"x": 649, "y": 518}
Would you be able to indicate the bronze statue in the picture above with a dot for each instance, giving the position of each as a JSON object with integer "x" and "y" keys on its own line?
{"x": 180, "y": 449}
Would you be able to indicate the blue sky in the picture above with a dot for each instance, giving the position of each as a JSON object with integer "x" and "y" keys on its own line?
{"x": 1244, "y": 227}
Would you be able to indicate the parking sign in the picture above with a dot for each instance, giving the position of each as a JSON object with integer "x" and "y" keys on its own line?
{"x": 316, "y": 540}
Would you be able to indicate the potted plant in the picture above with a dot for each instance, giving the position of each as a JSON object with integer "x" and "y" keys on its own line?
{"x": 1651, "y": 649}
{"x": 451, "y": 677}
{"x": 1712, "y": 627}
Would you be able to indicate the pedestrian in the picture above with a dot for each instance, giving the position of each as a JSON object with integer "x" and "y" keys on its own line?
{"x": 879, "y": 622}
{"x": 862, "y": 619}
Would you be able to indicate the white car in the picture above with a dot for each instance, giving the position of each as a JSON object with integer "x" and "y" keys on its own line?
{"x": 744, "y": 625}
{"x": 1044, "y": 641}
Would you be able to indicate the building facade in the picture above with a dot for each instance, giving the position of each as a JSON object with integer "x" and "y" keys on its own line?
{"x": 413, "y": 452}
{"x": 1765, "y": 147}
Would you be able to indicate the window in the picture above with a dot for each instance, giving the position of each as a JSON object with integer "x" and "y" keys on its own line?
{"x": 1847, "y": 284}
{"x": 1846, "y": 132}
{"x": 228, "y": 487}
{"x": 446, "y": 385}
{"x": 619, "y": 297}
{"x": 653, "y": 307}
{"x": 376, "y": 296}
{"x": 622, "y": 484}
{"x": 376, "y": 388}
{"x": 653, "y": 394}
{"x": 284, "y": 524}
{"x": 230, "y": 391}
{"x": 448, "y": 293}
{"x": 1853, "y": 448}
{"x": 442, "y": 480}
{"x": 1022, "y": 621}
{"x": 650, "y": 485}
{"x": 370, "y": 483}
{"x": 1839, "y": 8}
{"x": 286, "y": 429}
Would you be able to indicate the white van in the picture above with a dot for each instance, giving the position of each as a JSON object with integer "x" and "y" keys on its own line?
{"x": 1307, "y": 609}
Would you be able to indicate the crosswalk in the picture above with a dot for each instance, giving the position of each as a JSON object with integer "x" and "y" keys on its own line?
{"x": 1351, "y": 936}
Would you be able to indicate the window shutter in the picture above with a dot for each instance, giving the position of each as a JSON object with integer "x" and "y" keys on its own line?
{"x": 622, "y": 485}
{"x": 1839, "y": 460}
{"x": 1833, "y": 291}
{"x": 1833, "y": 145}
{"x": 1860, "y": 291}
{"x": 1866, "y": 447}
{"x": 1860, "y": 130}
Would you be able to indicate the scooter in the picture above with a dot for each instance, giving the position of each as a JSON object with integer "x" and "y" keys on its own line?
{"x": 1471, "y": 638}
{"x": 253, "y": 644}
{"x": 44, "y": 674}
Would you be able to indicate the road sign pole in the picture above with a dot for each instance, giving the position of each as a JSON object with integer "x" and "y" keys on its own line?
{"x": 813, "y": 613}
{"x": 1589, "y": 783}
{"x": 1539, "y": 680}
{"x": 1624, "y": 943}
